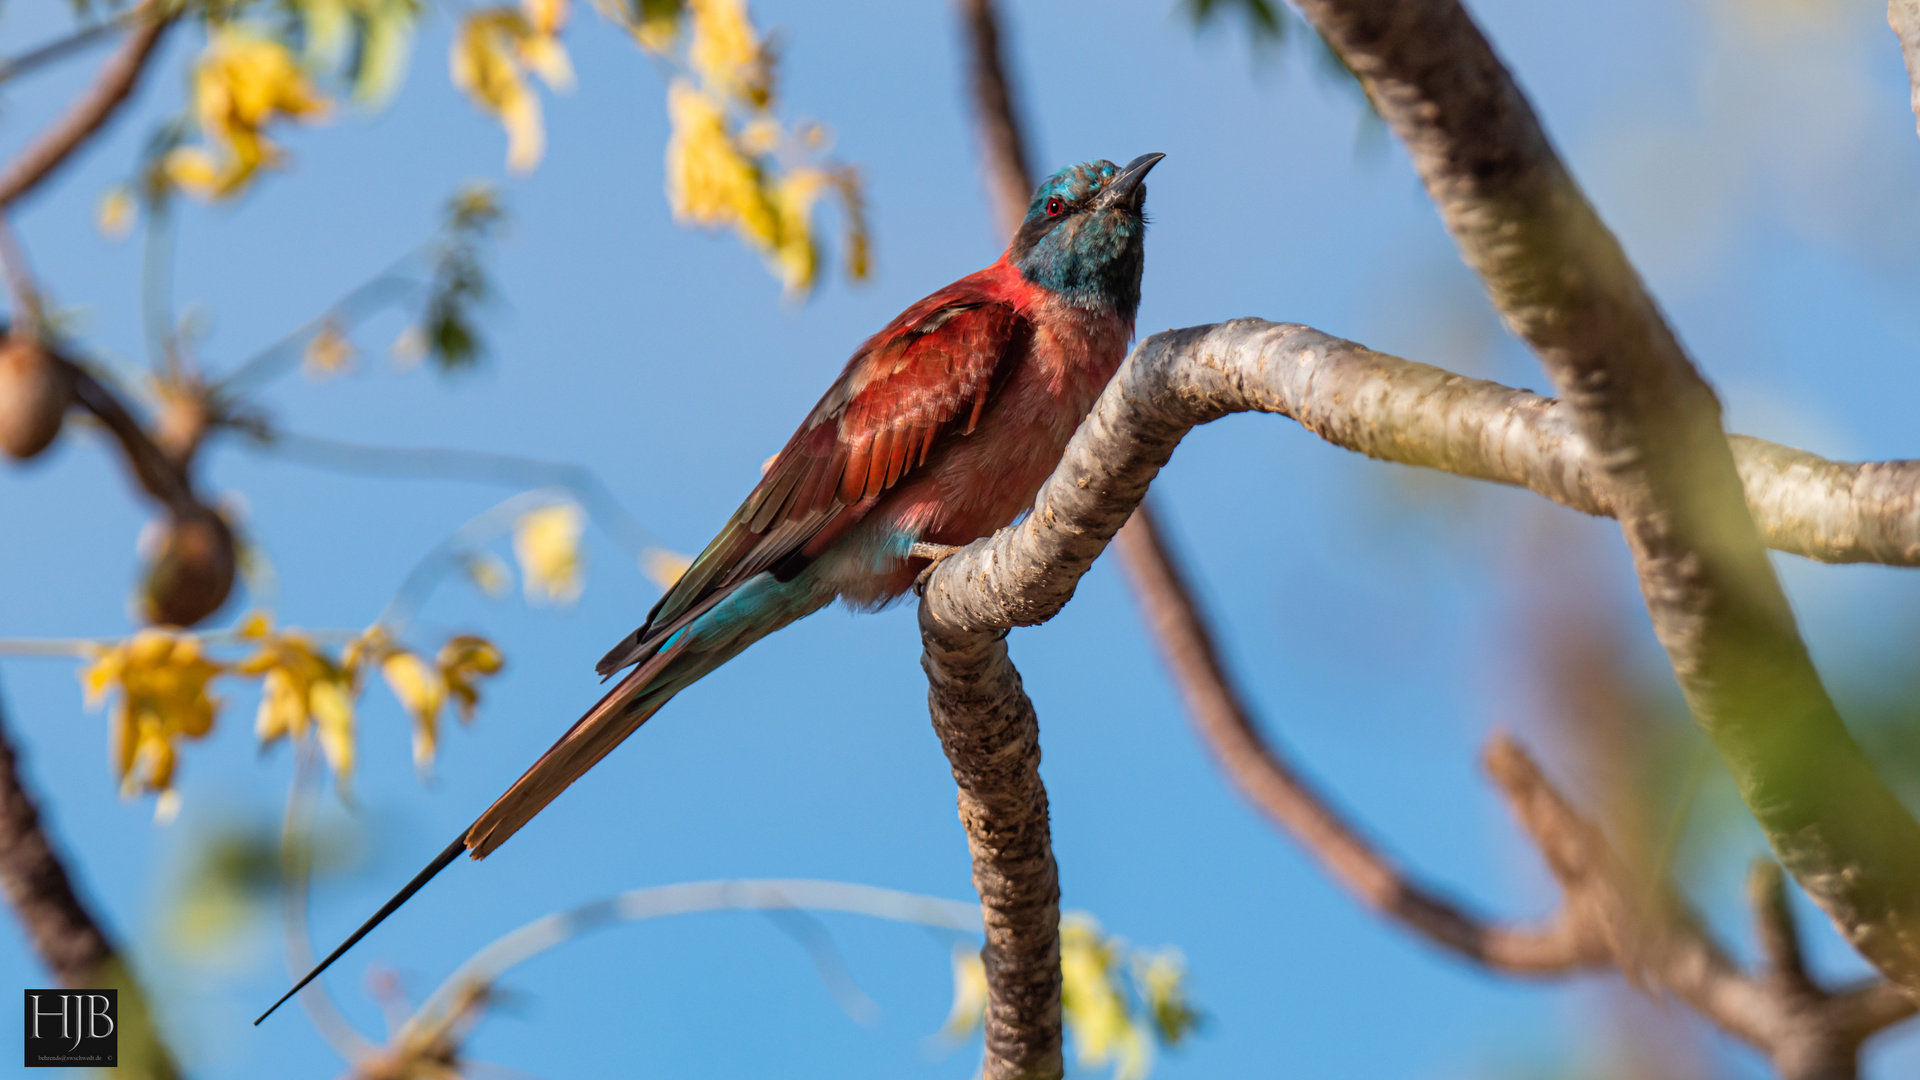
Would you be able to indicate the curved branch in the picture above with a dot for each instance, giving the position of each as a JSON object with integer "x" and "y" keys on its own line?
{"x": 89, "y": 111}
{"x": 991, "y": 736}
{"x": 1386, "y": 408}
{"x": 1374, "y": 404}
{"x": 1563, "y": 283}
{"x": 157, "y": 473}
{"x": 1267, "y": 780}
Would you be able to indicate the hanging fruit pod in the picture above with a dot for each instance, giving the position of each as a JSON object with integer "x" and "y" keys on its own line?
{"x": 34, "y": 395}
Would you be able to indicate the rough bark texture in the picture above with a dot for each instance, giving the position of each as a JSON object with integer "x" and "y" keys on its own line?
{"x": 1904, "y": 17}
{"x": 1563, "y": 283}
{"x": 116, "y": 81}
{"x": 1387, "y": 408}
{"x": 992, "y": 738}
{"x": 1024, "y": 574}
{"x": 57, "y": 924}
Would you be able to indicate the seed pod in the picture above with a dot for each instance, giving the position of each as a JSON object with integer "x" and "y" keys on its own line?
{"x": 33, "y": 398}
{"x": 191, "y": 572}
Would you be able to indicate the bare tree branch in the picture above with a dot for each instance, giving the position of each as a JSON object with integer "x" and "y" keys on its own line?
{"x": 1904, "y": 17}
{"x": 1003, "y": 147}
{"x": 1661, "y": 946}
{"x": 58, "y": 925}
{"x": 157, "y": 473}
{"x": 88, "y": 112}
{"x": 1564, "y": 285}
{"x": 992, "y": 739}
{"x": 1267, "y": 780}
{"x": 1381, "y": 406}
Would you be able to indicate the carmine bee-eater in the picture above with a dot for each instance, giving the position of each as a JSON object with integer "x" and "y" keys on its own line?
{"x": 940, "y": 430}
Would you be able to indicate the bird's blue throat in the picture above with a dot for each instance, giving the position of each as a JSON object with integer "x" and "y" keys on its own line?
{"x": 1087, "y": 250}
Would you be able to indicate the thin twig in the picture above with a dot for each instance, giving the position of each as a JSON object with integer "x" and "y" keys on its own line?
{"x": 1265, "y": 778}
{"x": 480, "y": 466}
{"x": 60, "y": 48}
{"x": 28, "y": 313}
{"x": 88, "y": 112}
{"x": 159, "y": 475}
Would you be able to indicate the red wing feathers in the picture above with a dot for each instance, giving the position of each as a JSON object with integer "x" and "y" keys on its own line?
{"x": 927, "y": 375}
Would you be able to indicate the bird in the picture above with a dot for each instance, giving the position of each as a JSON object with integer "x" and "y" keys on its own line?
{"x": 939, "y": 431}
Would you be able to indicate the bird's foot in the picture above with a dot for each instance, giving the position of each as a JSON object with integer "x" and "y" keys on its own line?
{"x": 938, "y": 553}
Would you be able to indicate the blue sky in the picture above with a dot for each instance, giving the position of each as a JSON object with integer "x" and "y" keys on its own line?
{"x": 1756, "y": 156}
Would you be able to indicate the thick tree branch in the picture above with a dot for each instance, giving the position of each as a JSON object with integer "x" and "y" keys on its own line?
{"x": 88, "y": 112}
{"x": 1564, "y": 285}
{"x": 57, "y": 923}
{"x": 1268, "y": 781}
{"x": 992, "y": 738}
{"x": 1904, "y": 17}
{"x": 1386, "y": 408}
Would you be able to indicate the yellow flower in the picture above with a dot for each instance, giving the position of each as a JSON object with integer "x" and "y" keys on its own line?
{"x": 301, "y": 689}
{"x": 796, "y": 257}
{"x": 116, "y": 213}
{"x": 1094, "y": 1004}
{"x": 241, "y": 84}
{"x": 493, "y": 50}
{"x": 547, "y": 543}
{"x": 709, "y": 181}
{"x": 463, "y": 661}
{"x": 728, "y": 54}
{"x": 161, "y": 679}
{"x": 969, "y": 995}
{"x": 663, "y": 567}
{"x": 658, "y": 25}
{"x": 329, "y": 353}
{"x": 545, "y": 17}
{"x": 422, "y": 692}
{"x": 1162, "y": 979}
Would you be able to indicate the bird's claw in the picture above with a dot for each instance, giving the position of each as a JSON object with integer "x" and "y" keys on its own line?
{"x": 938, "y": 553}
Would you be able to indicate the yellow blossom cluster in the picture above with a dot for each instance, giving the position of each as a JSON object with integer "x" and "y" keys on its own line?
{"x": 242, "y": 83}
{"x": 731, "y": 163}
{"x": 159, "y": 680}
{"x": 1095, "y": 1004}
{"x": 302, "y": 690}
{"x": 493, "y": 53}
{"x": 1114, "y": 1000}
{"x": 423, "y": 688}
{"x": 546, "y": 542}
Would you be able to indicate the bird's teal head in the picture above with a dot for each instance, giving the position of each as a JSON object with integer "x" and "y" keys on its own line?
{"x": 1084, "y": 236}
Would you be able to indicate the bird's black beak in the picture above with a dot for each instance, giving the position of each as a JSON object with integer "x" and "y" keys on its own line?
{"x": 1128, "y": 188}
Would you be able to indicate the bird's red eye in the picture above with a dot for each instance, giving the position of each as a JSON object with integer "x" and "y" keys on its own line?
{"x": 1054, "y": 206}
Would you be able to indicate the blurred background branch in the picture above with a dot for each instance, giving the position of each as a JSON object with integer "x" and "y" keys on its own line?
{"x": 1565, "y": 285}
{"x": 85, "y": 116}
